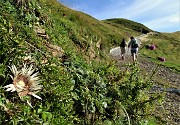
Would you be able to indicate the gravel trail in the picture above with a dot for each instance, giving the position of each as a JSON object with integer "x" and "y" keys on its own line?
{"x": 166, "y": 80}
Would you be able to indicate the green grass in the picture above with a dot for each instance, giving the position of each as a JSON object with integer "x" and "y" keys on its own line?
{"x": 175, "y": 35}
{"x": 166, "y": 47}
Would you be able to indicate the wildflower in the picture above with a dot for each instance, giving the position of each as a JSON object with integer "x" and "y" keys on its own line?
{"x": 25, "y": 81}
{"x": 152, "y": 47}
{"x": 161, "y": 59}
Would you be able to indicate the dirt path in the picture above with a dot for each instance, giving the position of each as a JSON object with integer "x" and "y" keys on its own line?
{"x": 165, "y": 81}
{"x": 168, "y": 82}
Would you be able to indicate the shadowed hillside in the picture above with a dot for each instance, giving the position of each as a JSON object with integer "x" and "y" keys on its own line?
{"x": 120, "y": 22}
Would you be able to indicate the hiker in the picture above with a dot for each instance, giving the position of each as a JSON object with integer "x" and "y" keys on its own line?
{"x": 134, "y": 48}
{"x": 123, "y": 48}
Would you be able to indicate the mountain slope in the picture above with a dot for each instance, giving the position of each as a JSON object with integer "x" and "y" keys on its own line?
{"x": 167, "y": 46}
{"x": 119, "y": 22}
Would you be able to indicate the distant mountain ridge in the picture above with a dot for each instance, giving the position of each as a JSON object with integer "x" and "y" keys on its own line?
{"x": 129, "y": 24}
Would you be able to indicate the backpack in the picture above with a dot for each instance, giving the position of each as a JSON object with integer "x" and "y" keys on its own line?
{"x": 134, "y": 44}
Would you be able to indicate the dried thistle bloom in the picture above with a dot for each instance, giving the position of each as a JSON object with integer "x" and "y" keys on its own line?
{"x": 25, "y": 81}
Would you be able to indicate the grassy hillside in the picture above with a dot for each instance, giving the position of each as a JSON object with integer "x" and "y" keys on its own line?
{"x": 78, "y": 82}
{"x": 175, "y": 35}
{"x": 167, "y": 46}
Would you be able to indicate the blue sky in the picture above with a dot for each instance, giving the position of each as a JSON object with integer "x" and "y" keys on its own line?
{"x": 158, "y": 15}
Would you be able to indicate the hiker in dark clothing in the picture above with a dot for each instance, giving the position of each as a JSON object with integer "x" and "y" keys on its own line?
{"x": 123, "y": 48}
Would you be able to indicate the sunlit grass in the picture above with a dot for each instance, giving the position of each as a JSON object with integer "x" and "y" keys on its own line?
{"x": 165, "y": 47}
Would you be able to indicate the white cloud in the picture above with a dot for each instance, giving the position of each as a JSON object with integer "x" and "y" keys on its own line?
{"x": 175, "y": 19}
{"x": 168, "y": 23}
{"x": 151, "y": 8}
{"x": 140, "y": 7}
{"x": 159, "y": 15}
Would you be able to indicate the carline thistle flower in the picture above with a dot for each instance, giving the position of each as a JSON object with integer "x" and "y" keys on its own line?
{"x": 25, "y": 81}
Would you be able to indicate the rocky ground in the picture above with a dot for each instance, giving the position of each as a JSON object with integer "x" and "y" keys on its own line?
{"x": 167, "y": 82}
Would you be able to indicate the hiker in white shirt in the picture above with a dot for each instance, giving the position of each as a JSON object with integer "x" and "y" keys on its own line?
{"x": 134, "y": 48}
